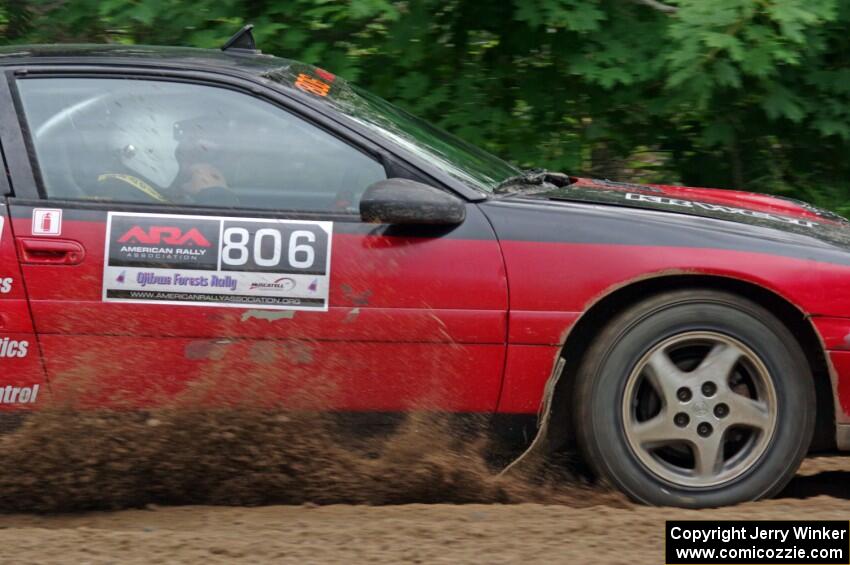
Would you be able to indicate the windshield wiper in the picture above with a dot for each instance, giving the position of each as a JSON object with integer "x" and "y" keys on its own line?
{"x": 532, "y": 180}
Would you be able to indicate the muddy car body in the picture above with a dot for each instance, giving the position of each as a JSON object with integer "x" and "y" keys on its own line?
{"x": 177, "y": 215}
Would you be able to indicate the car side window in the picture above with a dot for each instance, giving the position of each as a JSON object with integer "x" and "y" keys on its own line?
{"x": 133, "y": 140}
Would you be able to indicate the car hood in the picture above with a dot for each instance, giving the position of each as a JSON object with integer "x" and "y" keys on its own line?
{"x": 743, "y": 207}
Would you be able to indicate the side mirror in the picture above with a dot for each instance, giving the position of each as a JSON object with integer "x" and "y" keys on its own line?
{"x": 402, "y": 201}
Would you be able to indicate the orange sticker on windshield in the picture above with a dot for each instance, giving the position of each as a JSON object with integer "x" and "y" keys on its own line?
{"x": 312, "y": 85}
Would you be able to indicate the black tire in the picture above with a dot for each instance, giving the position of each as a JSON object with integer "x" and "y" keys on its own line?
{"x": 630, "y": 337}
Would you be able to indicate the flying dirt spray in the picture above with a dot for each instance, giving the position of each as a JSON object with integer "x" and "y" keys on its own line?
{"x": 71, "y": 459}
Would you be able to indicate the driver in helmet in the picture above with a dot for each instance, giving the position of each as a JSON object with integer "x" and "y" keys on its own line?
{"x": 201, "y": 149}
{"x": 197, "y": 156}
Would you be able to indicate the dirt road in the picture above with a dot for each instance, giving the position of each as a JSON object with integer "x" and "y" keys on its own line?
{"x": 424, "y": 533}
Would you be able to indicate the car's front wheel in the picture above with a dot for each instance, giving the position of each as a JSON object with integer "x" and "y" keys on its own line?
{"x": 695, "y": 398}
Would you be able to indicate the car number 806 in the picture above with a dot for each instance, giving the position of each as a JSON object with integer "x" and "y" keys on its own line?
{"x": 275, "y": 247}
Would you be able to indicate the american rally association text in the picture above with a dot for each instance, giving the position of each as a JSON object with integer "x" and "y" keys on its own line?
{"x": 729, "y": 533}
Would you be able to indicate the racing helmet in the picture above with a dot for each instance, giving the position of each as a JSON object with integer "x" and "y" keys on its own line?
{"x": 142, "y": 141}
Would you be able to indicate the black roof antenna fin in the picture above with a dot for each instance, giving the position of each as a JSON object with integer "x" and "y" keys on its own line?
{"x": 242, "y": 42}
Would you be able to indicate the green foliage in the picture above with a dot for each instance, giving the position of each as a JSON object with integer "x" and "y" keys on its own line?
{"x": 752, "y": 94}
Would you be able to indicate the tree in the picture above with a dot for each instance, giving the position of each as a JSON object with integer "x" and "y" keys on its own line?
{"x": 752, "y": 94}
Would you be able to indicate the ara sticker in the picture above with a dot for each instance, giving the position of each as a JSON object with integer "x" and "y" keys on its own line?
{"x": 312, "y": 85}
{"x": 46, "y": 221}
{"x": 217, "y": 261}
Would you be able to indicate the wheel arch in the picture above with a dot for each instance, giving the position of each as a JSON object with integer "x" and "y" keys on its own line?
{"x": 594, "y": 319}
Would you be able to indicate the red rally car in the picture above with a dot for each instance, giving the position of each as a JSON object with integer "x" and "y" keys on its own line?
{"x": 173, "y": 213}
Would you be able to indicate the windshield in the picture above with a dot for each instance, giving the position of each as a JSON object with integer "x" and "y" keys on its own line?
{"x": 469, "y": 164}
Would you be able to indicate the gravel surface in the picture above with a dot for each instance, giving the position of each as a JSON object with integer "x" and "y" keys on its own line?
{"x": 594, "y": 531}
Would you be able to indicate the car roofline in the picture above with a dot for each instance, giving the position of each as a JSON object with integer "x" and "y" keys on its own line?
{"x": 227, "y": 65}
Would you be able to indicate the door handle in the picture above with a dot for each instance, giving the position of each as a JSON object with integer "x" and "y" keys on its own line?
{"x": 50, "y": 251}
